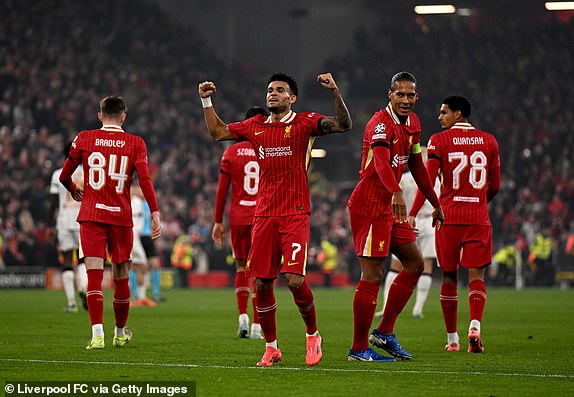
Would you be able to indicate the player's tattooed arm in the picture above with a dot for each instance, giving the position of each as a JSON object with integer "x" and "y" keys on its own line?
{"x": 342, "y": 121}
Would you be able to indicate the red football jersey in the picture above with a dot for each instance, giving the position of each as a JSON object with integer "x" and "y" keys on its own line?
{"x": 240, "y": 166}
{"x": 109, "y": 156}
{"x": 283, "y": 150}
{"x": 468, "y": 158}
{"x": 370, "y": 197}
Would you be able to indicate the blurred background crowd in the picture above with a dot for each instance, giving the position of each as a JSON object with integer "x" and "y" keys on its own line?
{"x": 58, "y": 58}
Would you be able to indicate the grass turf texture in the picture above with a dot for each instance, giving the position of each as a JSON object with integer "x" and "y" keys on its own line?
{"x": 528, "y": 338}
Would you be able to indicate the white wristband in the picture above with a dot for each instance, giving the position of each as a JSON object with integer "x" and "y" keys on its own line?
{"x": 206, "y": 102}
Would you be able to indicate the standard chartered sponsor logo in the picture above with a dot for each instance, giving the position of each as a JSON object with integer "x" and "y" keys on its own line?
{"x": 399, "y": 160}
{"x": 277, "y": 151}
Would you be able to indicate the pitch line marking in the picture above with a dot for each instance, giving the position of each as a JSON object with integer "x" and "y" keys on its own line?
{"x": 386, "y": 370}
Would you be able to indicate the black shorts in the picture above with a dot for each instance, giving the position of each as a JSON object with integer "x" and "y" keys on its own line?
{"x": 149, "y": 246}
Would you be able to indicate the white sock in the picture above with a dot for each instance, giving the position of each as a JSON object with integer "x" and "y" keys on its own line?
{"x": 147, "y": 280}
{"x": 141, "y": 291}
{"x": 244, "y": 319}
{"x": 452, "y": 337}
{"x": 68, "y": 282}
{"x": 119, "y": 331}
{"x": 272, "y": 344}
{"x": 315, "y": 334}
{"x": 81, "y": 277}
{"x": 423, "y": 288}
{"x": 474, "y": 324}
{"x": 255, "y": 328}
{"x": 391, "y": 275}
{"x": 97, "y": 330}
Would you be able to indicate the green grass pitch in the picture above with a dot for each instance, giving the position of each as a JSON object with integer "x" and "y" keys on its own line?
{"x": 528, "y": 337}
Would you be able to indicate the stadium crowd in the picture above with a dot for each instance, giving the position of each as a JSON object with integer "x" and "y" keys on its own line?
{"x": 57, "y": 59}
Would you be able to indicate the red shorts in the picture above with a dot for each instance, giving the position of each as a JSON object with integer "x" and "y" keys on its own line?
{"x": 467, "y": 245}
{"x": 276, "y": 237}
{"x": 96, "y": 237}
{"x": 240, "y": 236}
{"x": 373, "y": 238}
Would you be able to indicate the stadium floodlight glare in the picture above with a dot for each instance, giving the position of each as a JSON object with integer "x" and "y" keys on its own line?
{"x": 435, "y": 9}
{"x": 318, "y": 153}
{"x": 559, "y": 5}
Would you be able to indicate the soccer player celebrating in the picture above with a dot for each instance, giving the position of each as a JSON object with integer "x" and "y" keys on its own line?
{"x": 378, "y": 215}
{"x": 469, "y": 163}
{"x": 109, "y": 156}
{"x": 281, "y": 227}
{"x": 425, "y": 240}
{"x": 240, "y": 170}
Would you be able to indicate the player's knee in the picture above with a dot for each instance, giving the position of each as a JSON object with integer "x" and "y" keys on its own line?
{"x": 263, "y": 285}
{"x": 121, "y": 270}
{"x": 415, "y": 267}
{"x": 295, "y": 281}
{"x": 450, "y": 278}
{"x": 375, "y": 277}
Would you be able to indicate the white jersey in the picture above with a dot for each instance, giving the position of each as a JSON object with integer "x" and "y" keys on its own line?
{"x": 138, "y": 253}
{"x": 137, "y": 214}
{"x": 68, "y": 208}
{"x": 424, "y": 217}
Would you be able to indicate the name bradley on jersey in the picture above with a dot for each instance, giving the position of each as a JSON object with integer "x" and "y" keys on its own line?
{"x": 110, "y": 142}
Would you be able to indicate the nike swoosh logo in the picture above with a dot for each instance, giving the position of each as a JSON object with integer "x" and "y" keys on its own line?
{"x": 384, "y": 341}
{"x": 292, "y": 263}
{"x": 259, "y": 132}
{"x": 396, "y": 140}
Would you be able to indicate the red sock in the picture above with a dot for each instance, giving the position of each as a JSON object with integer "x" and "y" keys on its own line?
{"x": 401, "y": 290}
{"x": 304, "y": 300}
{"x": 94, "y": 295}
{"x": 476, "y": 299}
{"x": 449, "y": 305}
{"x": 364, "y": 307}
{"x": 242, "y": 291}
{"x": 254, "y": 302}
{"x": 266, "y": 308}
{"x": 121, "y": 301}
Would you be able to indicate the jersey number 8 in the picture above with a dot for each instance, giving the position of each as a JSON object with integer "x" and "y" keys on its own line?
{"x": 97, "y": 175}
{"x": 251, "y": 178}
